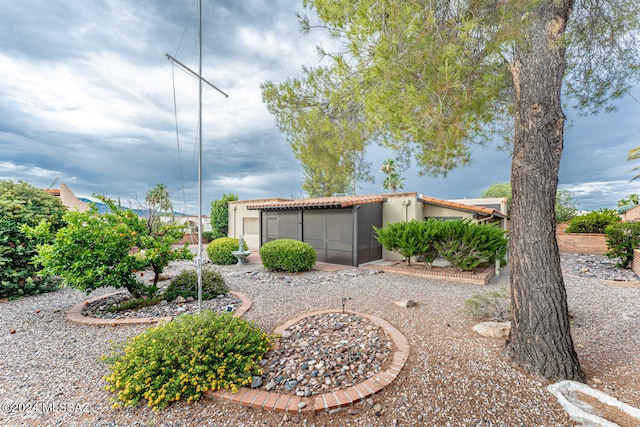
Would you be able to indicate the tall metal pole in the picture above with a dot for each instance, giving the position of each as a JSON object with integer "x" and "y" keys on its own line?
{"x": 200, "y": 155}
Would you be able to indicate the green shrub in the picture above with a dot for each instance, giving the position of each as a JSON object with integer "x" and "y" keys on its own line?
{"x": 219, "y": 251}
{"x": 94, "y": 250}
{"x": 207, "y": 235}
{"x": 184, "y": 358}
{"x": 412, "y": 238}
{"x": 593, "y": 222}
{"x": 185, "y": 285}
{"x": 287, "y": 255}
{"x": 489, "y": 306}
{"x": 468, "y": 246}
{"x": 622, "y": 239}
{"x": 22, "y": 205}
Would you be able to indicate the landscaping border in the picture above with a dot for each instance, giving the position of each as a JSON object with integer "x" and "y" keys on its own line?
{"x": 481, "y": 278}
{"x": 276, "y": 401}
{"x": 75, "y": 314}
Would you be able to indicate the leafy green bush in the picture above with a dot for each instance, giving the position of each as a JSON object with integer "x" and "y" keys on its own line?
{"x": 464, "y": 244}
{"x": 220, "y": 250}
{"x": 95, "y": 250}
{"x": 489, "y": 306}
{"x": 467, "y": 245}
{"x": 593, "y": 222}
{"x": 208, "y": 236}
{"x": 288, "y": 255}
{"x": 185, "y": 285}
{"x": 412, "y": 238}
{"x": 622, "y": 239}
{"x": 184, "y": 358}
{"x": 22, "y": 205}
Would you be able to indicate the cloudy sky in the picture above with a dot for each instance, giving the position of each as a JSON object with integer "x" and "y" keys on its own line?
{"x": 86, "y": 98}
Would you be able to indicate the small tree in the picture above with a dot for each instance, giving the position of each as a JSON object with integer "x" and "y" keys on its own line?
{"x": 95, "y": 250}
{"x": 220, "y": 215}
{"x": 630, "y": 200}
{"x": 23, "y": 205}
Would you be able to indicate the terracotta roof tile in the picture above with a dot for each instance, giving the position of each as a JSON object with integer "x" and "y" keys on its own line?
{"x": 463, "y": 207}
{"x": 319, "y": 202}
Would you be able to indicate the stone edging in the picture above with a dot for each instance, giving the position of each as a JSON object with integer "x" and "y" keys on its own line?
{"x": 75, "y": 314}
{"x": 275, "y": 401}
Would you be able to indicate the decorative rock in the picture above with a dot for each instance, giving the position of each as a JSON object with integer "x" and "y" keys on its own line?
{"x": 370, "y": 402}
{"x": 256, "y": 382}
{"x": 290, "y": 385}
{"x": 286, "y": 334}
{"x": 302, "y": 405}
{"x": 405, "y": 303}
{"x": 270, "y": 386}
{"x": 493, "y": 329}
{"x": 377, "y": 409}
{"x": 179, "y": 300}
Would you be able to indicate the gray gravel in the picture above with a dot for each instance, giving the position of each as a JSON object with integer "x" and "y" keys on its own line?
{"x": 453, "y": 377}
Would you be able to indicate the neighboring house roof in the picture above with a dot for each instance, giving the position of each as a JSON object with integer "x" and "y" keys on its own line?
{"x": 318, "y": 203}
{"x": 480, "y": 210}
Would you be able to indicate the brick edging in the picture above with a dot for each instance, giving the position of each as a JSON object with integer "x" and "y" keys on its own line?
{"x": 481, "y": 278}
{"x": 275, "y": 401}
{"x": 75, "y": 314}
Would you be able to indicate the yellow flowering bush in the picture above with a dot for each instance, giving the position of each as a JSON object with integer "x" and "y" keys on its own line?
{"x": 184, "y": 358}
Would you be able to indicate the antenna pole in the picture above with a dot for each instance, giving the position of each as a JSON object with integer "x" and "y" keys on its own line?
{"x": 200, "y": 155}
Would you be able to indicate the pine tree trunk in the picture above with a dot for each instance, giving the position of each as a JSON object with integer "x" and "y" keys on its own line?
{"x": 540, "y": 341}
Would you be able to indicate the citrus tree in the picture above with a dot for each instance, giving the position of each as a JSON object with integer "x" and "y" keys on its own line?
{"x": 94, "y": 250}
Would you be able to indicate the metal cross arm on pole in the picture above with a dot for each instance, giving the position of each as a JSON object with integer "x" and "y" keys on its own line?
{"x": 193, "y": 73}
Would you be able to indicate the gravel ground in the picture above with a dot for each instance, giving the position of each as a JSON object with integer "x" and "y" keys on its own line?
{"x": 52, "y": 376}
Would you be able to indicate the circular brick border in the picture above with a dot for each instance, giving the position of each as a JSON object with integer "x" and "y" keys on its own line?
{"x": 275, "y": 401}
{"x": 75, "y": 314}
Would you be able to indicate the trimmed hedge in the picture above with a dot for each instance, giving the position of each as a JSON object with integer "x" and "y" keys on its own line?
{"x": 288, "y": 255}
{"x": 593, "y": 222}
{"x": 464, "y": 244}
{"x": 219, "y": 251}
{"x": 185, "y": 285}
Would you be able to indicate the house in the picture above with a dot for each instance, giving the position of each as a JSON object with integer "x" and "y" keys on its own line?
{"x": 340, "y": 228}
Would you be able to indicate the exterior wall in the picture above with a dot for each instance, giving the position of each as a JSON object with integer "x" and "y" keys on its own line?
{"x": 245, "y": 221}
{"x": 635, "y": 264}
{"x": 581, "y": 243}
{"x": 632, "y": 214}
{"x": 399, "y": 207}
{"x": 70, "y": 200}
{"x": 431, "y": 211}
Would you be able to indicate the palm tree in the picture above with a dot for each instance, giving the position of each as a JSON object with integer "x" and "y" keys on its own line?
{"x": 393, "y": 180}
{"x": 158, "y": 201}
{"x": 634, "y": 155}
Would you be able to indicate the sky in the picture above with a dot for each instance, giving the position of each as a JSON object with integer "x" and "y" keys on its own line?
{"x": 87, "y": 98}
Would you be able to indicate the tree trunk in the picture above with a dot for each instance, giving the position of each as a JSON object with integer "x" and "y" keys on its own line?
{"x": 540, "y": 340}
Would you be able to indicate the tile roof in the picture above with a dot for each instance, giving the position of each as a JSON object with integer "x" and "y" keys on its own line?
{"x": 483, "y": 210}
{"x": 319, "y": 202}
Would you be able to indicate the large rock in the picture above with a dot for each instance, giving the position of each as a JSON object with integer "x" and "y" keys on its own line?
{"x": 406, "y": 303}
{"x": 493, "y": 329}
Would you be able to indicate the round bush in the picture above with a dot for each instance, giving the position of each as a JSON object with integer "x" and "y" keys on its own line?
{"x": 185, "y": 285}
{"x": 287, "y": 255}
{"x": 220, "y": 249}
{"x": 186, "y": 357}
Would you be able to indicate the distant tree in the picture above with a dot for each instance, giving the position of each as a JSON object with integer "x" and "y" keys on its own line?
{"x": 158, "y": 202}
{"x": 500, "y": 189}
{"x": 393, "y": 179}
{"x": 220, "y": 215}
{"x": 566, "y": 205}
{"x": 631, "y": 199}
{"x": 23, "y": 205}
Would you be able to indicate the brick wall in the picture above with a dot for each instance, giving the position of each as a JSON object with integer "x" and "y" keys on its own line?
{"x": 635, "y": 264}
{"x": 582, "y": 243}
